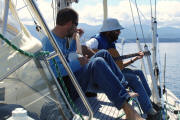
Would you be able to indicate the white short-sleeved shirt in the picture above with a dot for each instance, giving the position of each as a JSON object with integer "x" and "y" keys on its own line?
{"x": 92, "y": 43}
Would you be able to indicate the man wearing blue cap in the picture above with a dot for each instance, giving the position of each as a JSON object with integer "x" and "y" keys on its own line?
{"x": 106, "y": 39}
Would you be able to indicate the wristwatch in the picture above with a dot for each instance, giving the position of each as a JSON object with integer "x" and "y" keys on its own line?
{"x": 132, "y": 61}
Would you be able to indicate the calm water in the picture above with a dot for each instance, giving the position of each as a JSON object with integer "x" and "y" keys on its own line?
{"x": 172, "y": 62}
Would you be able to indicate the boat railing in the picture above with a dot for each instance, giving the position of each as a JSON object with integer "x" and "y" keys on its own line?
{"x": 57, "y": 84}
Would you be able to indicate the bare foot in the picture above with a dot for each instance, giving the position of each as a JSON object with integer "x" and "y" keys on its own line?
{"x": 133, "y": 94}
{"x": 131, "y": 114}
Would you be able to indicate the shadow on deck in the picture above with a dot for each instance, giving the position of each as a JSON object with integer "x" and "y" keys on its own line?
{"x": 102, "y": 108}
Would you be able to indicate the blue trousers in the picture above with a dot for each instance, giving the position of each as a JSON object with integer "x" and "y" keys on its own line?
{"x": 102, "y": 73}
{"x": 137, "y": 82}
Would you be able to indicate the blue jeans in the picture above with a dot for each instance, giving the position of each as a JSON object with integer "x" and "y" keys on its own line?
{"x": 102, "y": 73}
{"x": 137, "y": 82}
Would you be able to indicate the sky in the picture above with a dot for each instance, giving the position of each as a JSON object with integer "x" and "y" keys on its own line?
{"x": 91, "y": 12}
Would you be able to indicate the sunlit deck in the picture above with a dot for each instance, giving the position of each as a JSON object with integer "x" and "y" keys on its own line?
{"x": 103, "y": 109}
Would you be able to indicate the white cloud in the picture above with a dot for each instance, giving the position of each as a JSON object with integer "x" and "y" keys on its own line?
{"x": 91, "y": 14}
{"x": 168, "y": 13}
{"x": 44, "y": 7}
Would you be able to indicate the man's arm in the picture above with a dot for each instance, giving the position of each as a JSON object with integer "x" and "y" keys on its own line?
{"x": 87, "y": 51}
{"x": 141, "y": 54}
{"x": 83, "y": 60}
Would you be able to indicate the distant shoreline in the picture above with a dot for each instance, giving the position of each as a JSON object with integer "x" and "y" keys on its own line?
{"x": 149, "y": 40}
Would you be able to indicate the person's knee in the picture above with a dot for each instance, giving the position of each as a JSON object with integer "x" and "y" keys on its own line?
{"x": 131, "y": 77}
{"x": 140, "y": 72}
{"x": 99, "y": 61}
{"x": 103, "y": 51}
{"x": 133, "y": 80}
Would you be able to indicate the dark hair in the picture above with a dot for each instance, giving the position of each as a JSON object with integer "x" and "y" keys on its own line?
{"x": 65, "y": 15}
{"x": 103, "y": 33}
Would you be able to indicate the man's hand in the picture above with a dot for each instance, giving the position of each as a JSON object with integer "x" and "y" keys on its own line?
{"x": 87, "y": 51}
{"x": 78, "y": 34}
{"x": 80, "y": 31}
{"x": 83, "y": 60}
{"x": 141, "y": 54}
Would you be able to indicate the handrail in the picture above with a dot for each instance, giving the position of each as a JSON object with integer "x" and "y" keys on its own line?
{"x": 57, "y": 85}
{"x": 60, "y": 55}
{"x": 52, "y": 55}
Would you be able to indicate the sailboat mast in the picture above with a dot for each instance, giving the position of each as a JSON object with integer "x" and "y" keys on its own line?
{"x": 154, "y": 43}
{"x": 105, "y": 9}
{"x": 61, "y": 4}
{"x": 156, "y": 60}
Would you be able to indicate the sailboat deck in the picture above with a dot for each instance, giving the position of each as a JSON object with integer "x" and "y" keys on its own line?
{"x": 102, "y": 108}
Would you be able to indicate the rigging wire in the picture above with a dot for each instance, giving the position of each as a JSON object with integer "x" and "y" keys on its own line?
{"x": 155, "y": 9}
{"x": 29, "y": 11}
{"x": 38, "y": 27}
{"x": 140, "y": 22}
{"x": 143, "y": 15}
{"x": 133, "y": 18}
{"x": 138, "y": 43}
{"x": 151, "y": 8}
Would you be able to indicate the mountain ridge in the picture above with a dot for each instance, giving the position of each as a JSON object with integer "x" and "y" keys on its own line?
{"x": 128, "y": 32}
{"x": 166, "y": 34}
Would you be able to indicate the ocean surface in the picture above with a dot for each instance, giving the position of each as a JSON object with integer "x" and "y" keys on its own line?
{"x": 172, "y": 49}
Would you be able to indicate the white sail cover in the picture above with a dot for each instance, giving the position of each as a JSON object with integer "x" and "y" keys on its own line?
{"x": 29, "y": 85}
{"x": 19, "y": 36}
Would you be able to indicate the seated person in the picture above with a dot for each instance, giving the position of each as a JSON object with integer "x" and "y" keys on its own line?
{"x": 100, "y": 72}
{"x": 106, "y": 39}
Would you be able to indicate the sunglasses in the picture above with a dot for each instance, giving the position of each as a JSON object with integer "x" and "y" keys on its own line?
{"x": 116, "y": 31}
{"x": 75, "y": 23}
